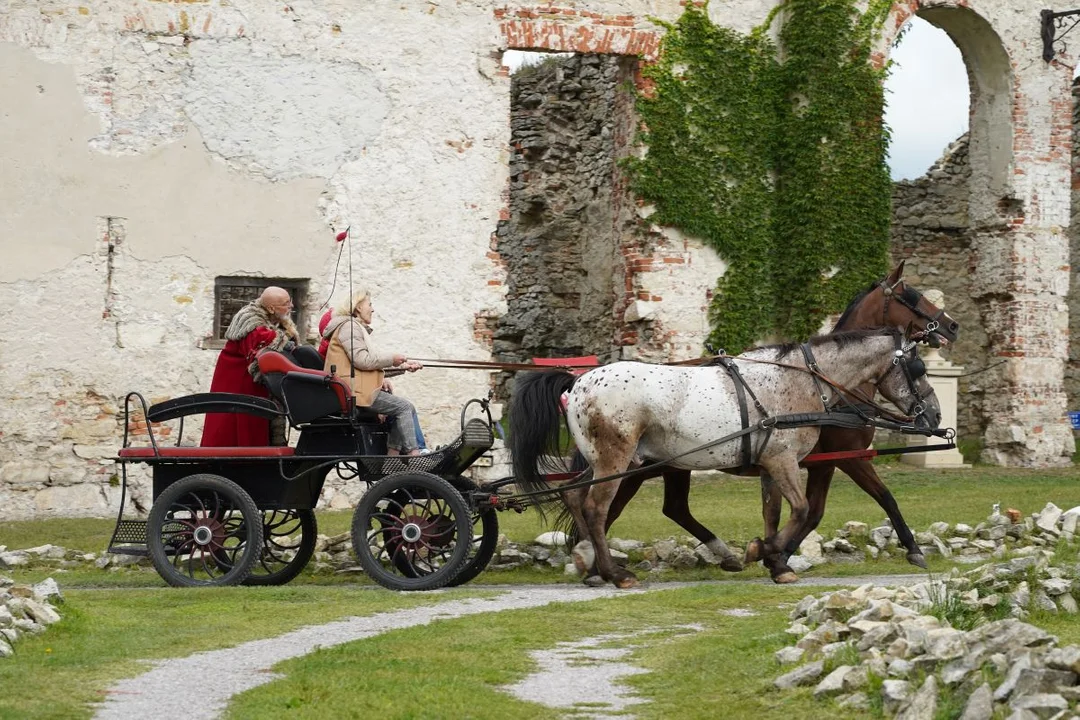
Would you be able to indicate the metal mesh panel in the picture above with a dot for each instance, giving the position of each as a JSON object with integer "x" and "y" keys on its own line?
{"x": 129, "y": 532}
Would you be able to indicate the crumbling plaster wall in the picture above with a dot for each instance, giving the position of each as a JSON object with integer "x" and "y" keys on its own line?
{"x": 234, "y": 136}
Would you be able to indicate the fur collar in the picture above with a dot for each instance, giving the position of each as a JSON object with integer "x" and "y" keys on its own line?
{"x": 254, "y": 315}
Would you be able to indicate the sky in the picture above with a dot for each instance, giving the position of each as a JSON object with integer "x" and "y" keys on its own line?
{"x": 926, "y": 97}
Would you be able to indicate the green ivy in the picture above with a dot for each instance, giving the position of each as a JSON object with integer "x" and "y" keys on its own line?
{"x": 778, "y": 166}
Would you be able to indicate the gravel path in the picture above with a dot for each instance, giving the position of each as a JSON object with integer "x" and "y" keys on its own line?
{"x": 221, "y": 674}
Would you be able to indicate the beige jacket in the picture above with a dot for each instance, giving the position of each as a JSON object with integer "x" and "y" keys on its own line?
{"x": 351, "y": 347}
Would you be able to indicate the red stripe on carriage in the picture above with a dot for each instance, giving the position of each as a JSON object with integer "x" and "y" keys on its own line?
{"x": 207, "y": 452}
{"x": 818, "y": 458}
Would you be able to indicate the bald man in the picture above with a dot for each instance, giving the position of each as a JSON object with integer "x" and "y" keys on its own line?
{"x": 262, "y": 323}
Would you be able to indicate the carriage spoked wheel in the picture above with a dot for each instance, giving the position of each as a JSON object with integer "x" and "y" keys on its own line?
{"x": 288, "y": 544}
{"x": 201, "y": 530}
{"x": 412, "y": 531}
{"x": 485, "y": 535}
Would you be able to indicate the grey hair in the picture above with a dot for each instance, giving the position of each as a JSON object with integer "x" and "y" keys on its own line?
{"x": 358, "y": 296}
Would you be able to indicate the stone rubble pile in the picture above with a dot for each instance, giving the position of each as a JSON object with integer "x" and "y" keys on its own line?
{"x": 898, "y": 647}
{"x": 997, "y": 535}
{"x": 1039, "y": 534}
{"x": 25, "y": 609}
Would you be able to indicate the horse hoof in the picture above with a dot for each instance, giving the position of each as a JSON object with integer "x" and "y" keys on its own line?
{"x": 626, "y": 583}
{"x": 754, "y": 551}
{"x": 595, "y": 581}
{"x": 785, "y": 578}
{"x": 731, "y": 564}
{"x": 917, "y": 559}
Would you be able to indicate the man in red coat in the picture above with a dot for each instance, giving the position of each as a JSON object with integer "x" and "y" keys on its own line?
{"x": 263, "y": 323}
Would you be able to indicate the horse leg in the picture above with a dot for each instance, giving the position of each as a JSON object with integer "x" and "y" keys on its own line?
{"x": 864, "y": 475}
{"x": 677, "y": 507}
{"x": 785, "y": 473}
{"x": 627, "y": 489}
{"x": 771, "y": 505}
{"x": 819, "y": 478}
{"x": 596, "y": 510}
{"x": 575, "y": 503}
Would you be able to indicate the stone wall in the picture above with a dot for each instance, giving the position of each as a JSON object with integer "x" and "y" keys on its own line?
{"x": 931, "y": 233}
{"x": 149, "y": 148}
{"x": 560, "y": 244}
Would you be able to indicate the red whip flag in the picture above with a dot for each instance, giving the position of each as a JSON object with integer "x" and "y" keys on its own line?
{"x": 343, "y": 234}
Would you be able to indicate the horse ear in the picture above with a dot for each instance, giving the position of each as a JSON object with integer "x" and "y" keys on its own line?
{"x": 897, "y": 273}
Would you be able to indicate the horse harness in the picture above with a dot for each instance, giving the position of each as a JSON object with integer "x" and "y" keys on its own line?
{"x": 838, "y": 410}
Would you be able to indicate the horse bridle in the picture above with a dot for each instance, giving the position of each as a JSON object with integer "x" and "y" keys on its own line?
{"x": 909, "y": 297}
{"x": 913, "y": 369}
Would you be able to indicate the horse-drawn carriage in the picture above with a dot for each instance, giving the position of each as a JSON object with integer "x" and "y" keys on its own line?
{"x": 223, "y": 516}
{"x": 229, "y": 515}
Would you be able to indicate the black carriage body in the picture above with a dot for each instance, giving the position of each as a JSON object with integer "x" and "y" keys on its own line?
{"x": 273, "y": 483}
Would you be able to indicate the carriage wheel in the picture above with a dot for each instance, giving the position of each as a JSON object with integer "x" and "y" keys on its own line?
{"x": 485, "y": 523}
{"x": 412, "y": 531}
{"x": 285, "y": 553}
{"x": 196, "y": 523}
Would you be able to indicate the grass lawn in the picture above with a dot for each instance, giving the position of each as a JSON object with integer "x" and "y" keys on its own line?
{"x": 729, "y": 505}
{"x": 107, "y": 634}
{"x": 453, "y": 668}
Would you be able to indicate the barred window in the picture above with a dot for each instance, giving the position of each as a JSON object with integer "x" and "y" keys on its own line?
{"x": 233, "y": 293}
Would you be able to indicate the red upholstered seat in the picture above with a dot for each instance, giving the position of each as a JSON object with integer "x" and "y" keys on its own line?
{"x": 275, "y": 363}
{"x": 589, "y": 361}
{"x": 207, "y": 452}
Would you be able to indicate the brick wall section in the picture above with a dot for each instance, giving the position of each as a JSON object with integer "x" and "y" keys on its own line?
{"x": 577, "y": 30}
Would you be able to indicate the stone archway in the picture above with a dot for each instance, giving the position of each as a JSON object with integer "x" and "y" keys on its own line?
{"x": 1016, "y": 254}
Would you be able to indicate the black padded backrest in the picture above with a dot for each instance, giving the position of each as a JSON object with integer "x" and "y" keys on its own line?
{"x": 310, "y": 397}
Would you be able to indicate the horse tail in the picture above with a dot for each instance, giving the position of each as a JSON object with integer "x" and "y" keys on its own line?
{"x": 535, "y": 420}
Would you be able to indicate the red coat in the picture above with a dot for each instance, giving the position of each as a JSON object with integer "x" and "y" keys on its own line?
{"x": 231, "y": 375}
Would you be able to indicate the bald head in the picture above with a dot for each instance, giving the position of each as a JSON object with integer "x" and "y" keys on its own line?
{"x": 276, "y": 300}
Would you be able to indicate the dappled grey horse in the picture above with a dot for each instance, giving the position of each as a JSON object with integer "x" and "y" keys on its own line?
{"x": 627, "y": 412}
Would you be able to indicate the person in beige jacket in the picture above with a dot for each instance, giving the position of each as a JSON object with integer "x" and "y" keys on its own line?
{"x": 350, "y": 346}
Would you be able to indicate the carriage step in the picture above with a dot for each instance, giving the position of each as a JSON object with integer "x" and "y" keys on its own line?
{"x": 129, "y": 538}
{"x": 477, "y": 434}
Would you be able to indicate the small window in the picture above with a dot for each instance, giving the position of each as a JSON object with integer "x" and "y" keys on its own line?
{"x": 233, "y": 293}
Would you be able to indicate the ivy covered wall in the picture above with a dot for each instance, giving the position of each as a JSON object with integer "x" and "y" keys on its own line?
{"x": 774, "y": 155}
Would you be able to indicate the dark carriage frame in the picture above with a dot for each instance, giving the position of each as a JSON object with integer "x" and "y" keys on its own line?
{"x": 334, "y": 434}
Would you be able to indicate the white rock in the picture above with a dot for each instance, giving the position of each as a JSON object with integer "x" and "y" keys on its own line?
{"x": 893, "y": 694}
{"x": 799, "y": 564}
{"x": 804, "y": 675}
{"x": 5, "y": 649}
{"x": 14, "y": 558}
{"x": 980, "y": 704}
{"x": 47, "y": 591}
{"x": 1049, "y": 516}
{"x": 789, "y": 655}
{"x": 556, "y": 538}
{"x": 923, "y": 704}
{"x": 833, "y": 684}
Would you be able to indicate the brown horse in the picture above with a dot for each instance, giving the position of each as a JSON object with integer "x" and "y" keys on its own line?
{"x": 889, "y": 302}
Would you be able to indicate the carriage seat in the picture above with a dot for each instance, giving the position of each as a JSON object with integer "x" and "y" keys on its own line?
{"x": 308, "y": 394}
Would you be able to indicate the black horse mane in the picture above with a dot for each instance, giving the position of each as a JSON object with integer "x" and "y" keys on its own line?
{"x": 842, "y": 339}
{"x": 851, "y": 307}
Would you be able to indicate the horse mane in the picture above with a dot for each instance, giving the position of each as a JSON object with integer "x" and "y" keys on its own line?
{"x": 851, "y": 307}
{"x": 842, "y": 339}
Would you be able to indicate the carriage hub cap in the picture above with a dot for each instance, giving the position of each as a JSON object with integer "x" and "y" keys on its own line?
{"x": 411, "y": 532}
{"x": 203, "y": 535}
